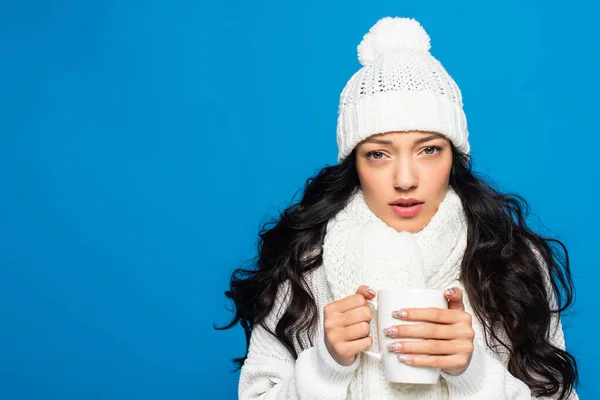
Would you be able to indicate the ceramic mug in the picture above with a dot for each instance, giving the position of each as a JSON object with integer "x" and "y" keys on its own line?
{"x": 389, "y": 300}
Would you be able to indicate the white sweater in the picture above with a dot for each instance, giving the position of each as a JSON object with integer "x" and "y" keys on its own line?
{"x": 270, "y": 371}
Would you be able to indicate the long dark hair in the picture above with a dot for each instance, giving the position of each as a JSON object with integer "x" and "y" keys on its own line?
{"x": 503, "y": 271}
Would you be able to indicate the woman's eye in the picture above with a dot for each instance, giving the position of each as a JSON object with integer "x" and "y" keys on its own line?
{"x": 377, "y": 155}
{"x": 431, "y": 149}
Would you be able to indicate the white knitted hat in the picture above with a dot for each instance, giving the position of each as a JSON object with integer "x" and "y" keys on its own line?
{"x": 401, "y": 87}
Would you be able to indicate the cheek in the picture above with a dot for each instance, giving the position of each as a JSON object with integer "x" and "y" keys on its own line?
{"x": 439, "y": 177}
{"x": 436, "y": 180}
{"x": 373, "y": 181}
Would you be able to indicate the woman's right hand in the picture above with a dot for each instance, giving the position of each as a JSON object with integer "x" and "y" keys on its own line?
{"x": 346, "y": 324}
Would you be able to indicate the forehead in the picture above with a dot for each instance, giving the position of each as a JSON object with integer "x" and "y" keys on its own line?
{"x": 391, "y": 137}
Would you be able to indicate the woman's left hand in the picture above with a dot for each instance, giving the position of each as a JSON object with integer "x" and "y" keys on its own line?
{"x": 448, "y": 336}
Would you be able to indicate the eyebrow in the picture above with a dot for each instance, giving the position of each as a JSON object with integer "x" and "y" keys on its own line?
{"x": 419, "y": 141}
{"x": 430, "y": 137}
{"x": 378, "y": 141}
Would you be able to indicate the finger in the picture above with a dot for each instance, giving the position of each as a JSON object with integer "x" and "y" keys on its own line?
{"x": 455, "y": 299}
{"x": 352, "y": 332}
{"x": 356, "y": 315}
{"x": 433, "y": 347}
{"x": 349, "y": 303}
{"x": 444, "y": 362}
{"x": 358, "y": 345}
{"x": 367, "y": 292}
{"x": 429, "y": 331}
{"x": 431, "y": 314}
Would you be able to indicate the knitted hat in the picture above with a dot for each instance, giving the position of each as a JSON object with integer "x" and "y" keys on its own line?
{"x": 401, "y": 87}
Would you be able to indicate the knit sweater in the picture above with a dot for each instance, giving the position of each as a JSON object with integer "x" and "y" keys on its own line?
{"x": 271, "y": 372}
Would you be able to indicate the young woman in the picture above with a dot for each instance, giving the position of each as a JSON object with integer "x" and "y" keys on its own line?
{"x": 403, "y": 209}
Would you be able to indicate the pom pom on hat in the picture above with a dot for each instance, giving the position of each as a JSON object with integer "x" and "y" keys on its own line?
{"x": 389, "y": 35}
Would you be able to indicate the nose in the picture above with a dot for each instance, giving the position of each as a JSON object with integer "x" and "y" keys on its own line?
{"x": 405, "y": 175}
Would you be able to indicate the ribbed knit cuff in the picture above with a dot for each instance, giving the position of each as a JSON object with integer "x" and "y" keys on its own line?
{"x": 470, "y": 382}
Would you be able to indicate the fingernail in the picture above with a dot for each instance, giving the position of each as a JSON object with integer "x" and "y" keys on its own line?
{"x": 394, "y": 346}
{"x": 370, "y": 291}
{"x": 450, "y": 292}
{"x": 403, "y": 358}
{"x": 392, "y": 330}
{"x": 399, "y": 314}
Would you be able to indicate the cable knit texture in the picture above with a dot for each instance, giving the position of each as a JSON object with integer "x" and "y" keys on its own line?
{"x": 360, "y": 249}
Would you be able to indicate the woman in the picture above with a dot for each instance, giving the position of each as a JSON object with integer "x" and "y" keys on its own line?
{"x": 403, "y": 209}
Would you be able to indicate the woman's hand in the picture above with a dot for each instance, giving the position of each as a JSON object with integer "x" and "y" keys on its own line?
{"x": 346, "y": 324}
{"x": 448, "y": 336}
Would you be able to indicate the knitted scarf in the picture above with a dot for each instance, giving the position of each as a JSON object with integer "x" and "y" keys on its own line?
{"x": 361, "y": 249}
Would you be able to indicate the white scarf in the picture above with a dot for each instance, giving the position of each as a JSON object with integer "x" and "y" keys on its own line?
{"x": 361, "y": 249}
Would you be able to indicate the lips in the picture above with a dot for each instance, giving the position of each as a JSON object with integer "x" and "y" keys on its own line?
{"x": 407, "y": 210}
{"x": 408, "y": 202}
{"x": 406, "y": 207}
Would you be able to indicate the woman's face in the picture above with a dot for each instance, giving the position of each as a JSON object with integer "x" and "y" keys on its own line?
{"x": 396, "y": 166}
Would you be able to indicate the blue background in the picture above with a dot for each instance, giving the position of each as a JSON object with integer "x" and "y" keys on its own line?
{"x": 143, "y": 143}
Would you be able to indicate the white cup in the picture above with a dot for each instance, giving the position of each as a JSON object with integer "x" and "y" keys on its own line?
{"x": 389, "y": 300}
